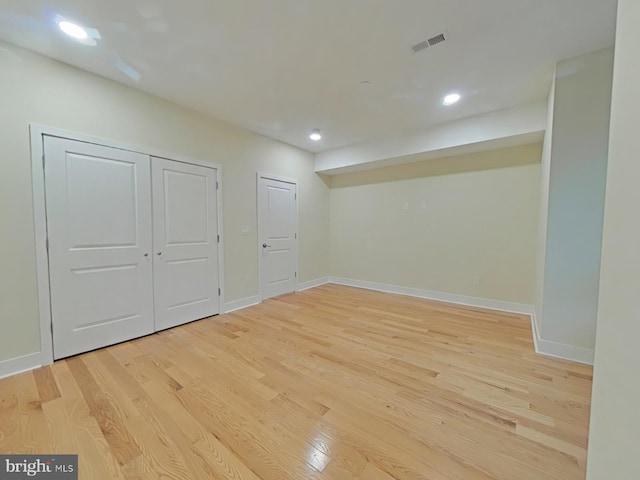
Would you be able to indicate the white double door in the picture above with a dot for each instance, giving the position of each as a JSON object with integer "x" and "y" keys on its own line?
{"x": 133, "y": 244}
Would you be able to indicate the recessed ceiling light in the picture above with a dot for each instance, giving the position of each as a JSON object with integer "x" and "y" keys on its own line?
{"x": 315, "y": 135}
{"x": 451, "y": 99}
{"x": 73, "y": 30}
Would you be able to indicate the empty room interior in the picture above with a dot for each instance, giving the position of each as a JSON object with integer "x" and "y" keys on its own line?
{"x": 342, "y": 239}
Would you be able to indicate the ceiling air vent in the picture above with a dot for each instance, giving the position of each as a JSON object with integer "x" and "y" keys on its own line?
{"x": 436, "y": 39}
{"x": 431, "y": 42}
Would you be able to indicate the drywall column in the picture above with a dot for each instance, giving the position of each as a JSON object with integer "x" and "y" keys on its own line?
{"x": 545, "y": 173}
{"x": 577, "y": 175}
{"x": 615, "y": 414}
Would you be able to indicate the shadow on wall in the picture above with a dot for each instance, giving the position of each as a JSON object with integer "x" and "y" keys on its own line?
{"x": 506, "y": 157}
{"x": 326, "y": 179}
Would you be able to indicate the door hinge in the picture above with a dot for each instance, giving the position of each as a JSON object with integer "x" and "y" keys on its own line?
{"x": 295, "y": 236}
{"x": 218, "y": 238}
{"x": 295, "y": 196}
{"x": 295, "y": 274}
{"x": 217, "y": 186}
{"x": 47, "y": 243}
{"x": 219, "y": 292}
{"x": 51, "y": 327}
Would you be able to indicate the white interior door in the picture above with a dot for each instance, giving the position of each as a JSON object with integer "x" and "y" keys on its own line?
{"x": 98, "y": 204}
{"x": 277, "y": 237}
{"x": 185, "y": 242}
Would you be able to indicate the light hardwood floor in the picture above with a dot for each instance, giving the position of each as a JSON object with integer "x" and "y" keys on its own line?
{"x": 332, "y": 383}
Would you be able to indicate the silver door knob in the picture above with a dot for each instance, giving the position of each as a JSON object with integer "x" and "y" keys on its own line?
{"x": 159, "y": 253}
{"x": 264, "y": 245}
{"x": 146, "y": 254}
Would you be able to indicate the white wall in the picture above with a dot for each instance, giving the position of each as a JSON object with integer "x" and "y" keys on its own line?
{"x": 577, "y": 172}
{"x": 35, "y": 89}
{"x": 615, "y": 415}
{"x": 479, "y": 218}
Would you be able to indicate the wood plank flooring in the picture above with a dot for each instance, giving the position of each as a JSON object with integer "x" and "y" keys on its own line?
{"x": 331, "y": 383}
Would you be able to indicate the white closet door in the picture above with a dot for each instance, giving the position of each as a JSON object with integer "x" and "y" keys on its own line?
{"x": 99, "y": 231}
{"x": 277, "y": 236}
{"x": 185, "y": 218}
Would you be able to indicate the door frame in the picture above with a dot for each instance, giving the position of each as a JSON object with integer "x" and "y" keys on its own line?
{"x": 278, "y": 178}
{"x": 37, "y": 133}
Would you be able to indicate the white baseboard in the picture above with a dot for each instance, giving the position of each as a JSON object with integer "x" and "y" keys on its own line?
{"x": 559, "y": 350}
{"x": 565, "y": 352}
{"x": 534, "y": 329}
{"x": 16, "y": 365}
{"x": 543, "y": 347}
{"x": 312, "y": 284}
{"x": 229, "y": 307}
{"x": 439, "y": 296}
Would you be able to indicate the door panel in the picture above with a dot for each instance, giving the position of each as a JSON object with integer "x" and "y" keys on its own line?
{"x": 185, "y": 242}
{"x": 187, "y": 282}
{"x": 99, "y": 229}
{"x": 186, "y": 207}
{"x": 278, "y": 242}
{"x": 96, "y": 189}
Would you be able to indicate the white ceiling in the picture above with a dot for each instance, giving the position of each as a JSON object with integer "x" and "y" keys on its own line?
{"x": 283, "y": 67}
